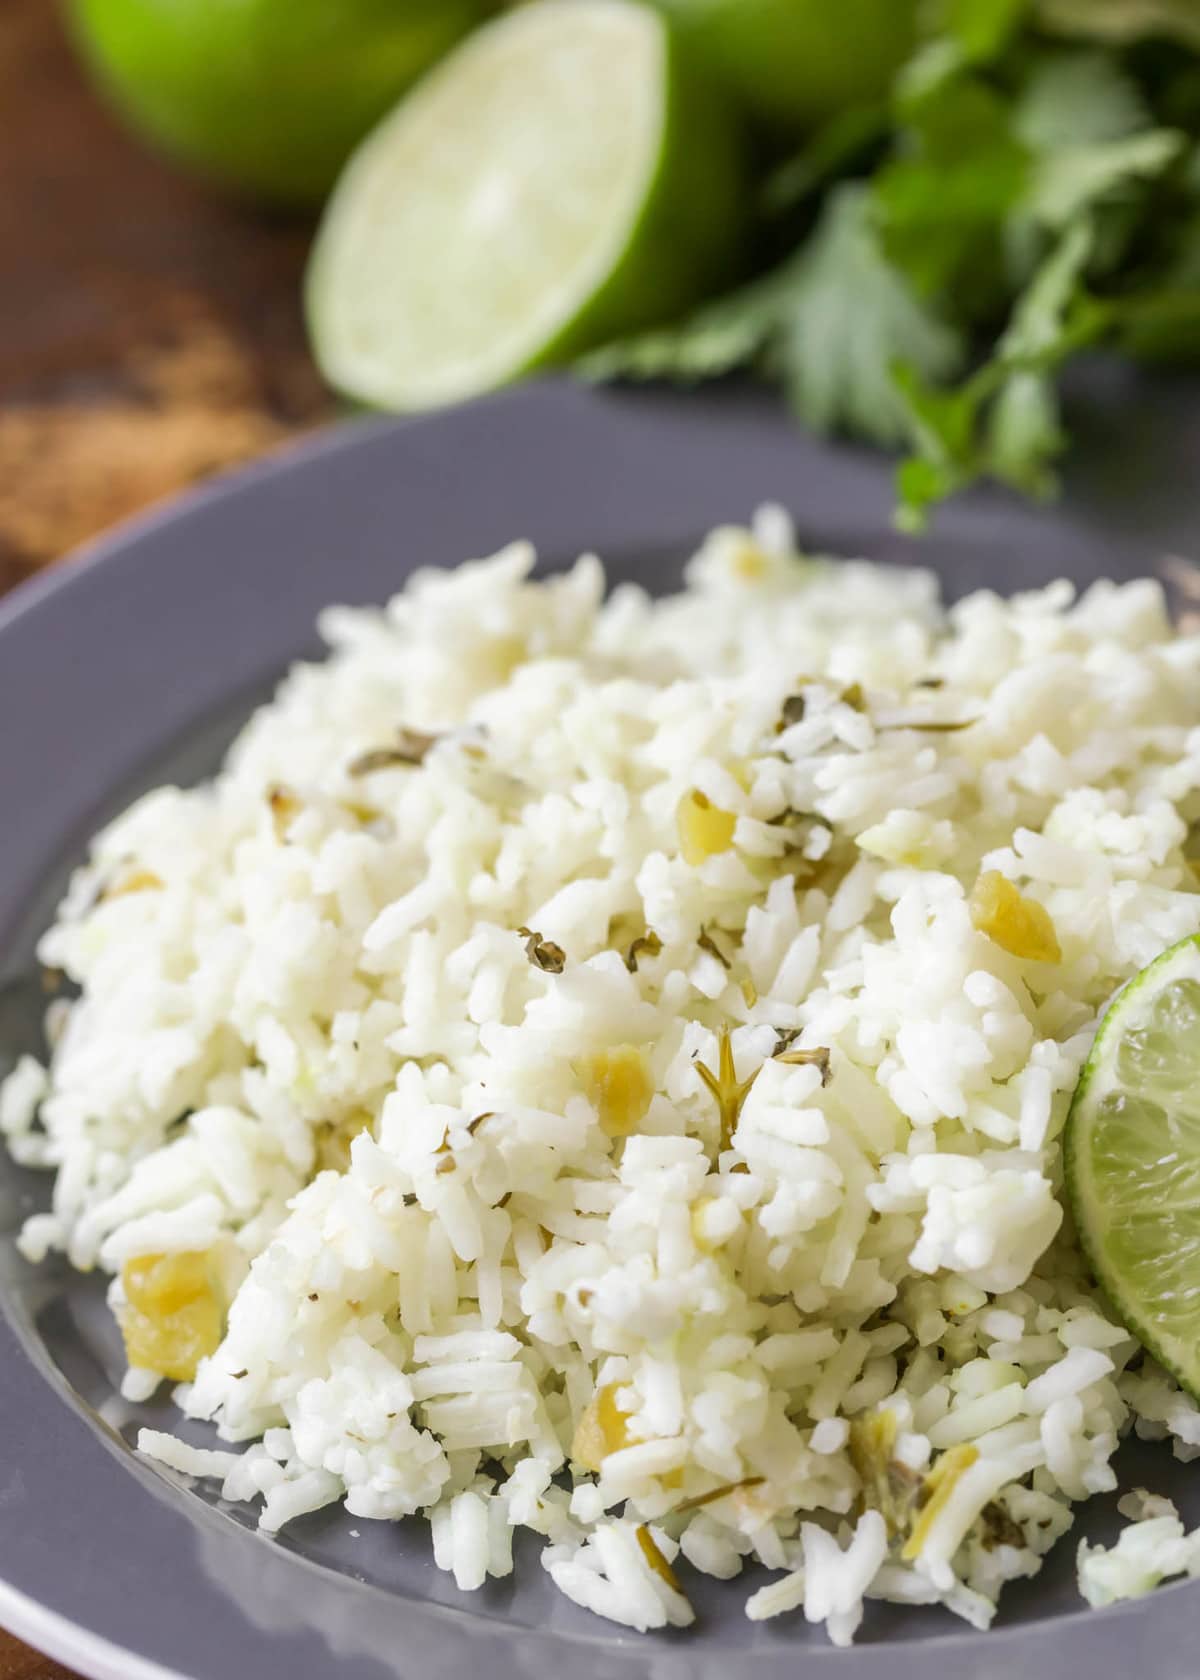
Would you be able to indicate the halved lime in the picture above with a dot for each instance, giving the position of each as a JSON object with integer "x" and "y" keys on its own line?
{"x": 561, "y": 178}
{"x": 1133, "y": 1159}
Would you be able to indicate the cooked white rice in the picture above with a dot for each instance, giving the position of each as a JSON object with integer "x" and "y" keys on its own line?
{"x": 308, "y": 950}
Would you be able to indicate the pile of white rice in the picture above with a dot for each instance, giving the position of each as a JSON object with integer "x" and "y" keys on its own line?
{"x": 316, "y": 947}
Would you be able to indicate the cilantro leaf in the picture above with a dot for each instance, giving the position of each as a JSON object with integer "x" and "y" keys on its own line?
{"x": 1003, "y": 422}
{"x": 849, "y": 315}
{"x": 1005, "y": 179}
{"x": 1078, "y": 98}
{"x": 1092, "y": 145}
{"x": 981, "y": 29}
{"x": 1123, "y": 21}
{"x": 942, "y": 201}
{"x": 726, "y": 334}
{"x": 1071, "y": 178}
{"x": 960, "y": 35}
{"x": 1038, "y": 330}
{"x": 828, "y": 324}
{"x": 1025, "y": 434}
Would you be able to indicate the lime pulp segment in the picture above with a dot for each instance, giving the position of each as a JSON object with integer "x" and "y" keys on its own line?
{"x": 1133, "y": 1158}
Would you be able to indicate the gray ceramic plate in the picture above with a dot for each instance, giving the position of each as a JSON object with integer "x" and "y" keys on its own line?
{"x": 137, "y": 663}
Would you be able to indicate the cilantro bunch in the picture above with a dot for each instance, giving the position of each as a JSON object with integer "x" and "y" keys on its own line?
{"x": 1029, "y": 189}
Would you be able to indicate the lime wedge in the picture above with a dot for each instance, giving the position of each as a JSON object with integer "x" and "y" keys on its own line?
{"x": 1132, "y": 1149}
{"x": 561, "y": 178}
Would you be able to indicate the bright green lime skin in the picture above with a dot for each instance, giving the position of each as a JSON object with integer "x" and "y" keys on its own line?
{"x": 1131, "y": 1154}
{"x": 685, "y": 245}
{"x": 266, "y": 97}
{"x": 793, "y": 64}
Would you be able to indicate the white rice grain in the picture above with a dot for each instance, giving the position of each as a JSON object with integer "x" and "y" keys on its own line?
{"x": 404, "y": 1031}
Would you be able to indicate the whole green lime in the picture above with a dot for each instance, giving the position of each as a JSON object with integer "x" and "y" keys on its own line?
{"x": 793, "y": 64}
{"x": 268, "y": 97}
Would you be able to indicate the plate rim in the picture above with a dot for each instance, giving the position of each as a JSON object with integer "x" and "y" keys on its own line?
{"x": 68, "y": 1642}
{"x": 107, "y": 546}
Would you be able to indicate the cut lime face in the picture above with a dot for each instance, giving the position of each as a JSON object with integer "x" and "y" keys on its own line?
{"x": 556, "y": 181}
{"x": 1133, "y": 1159}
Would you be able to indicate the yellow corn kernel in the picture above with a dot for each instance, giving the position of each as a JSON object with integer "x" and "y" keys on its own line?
{"x": 699, "y": 1208}
{"x": 706, "y": 1242}
{"x": 601, "y": 1430}
{"x": 618, "y": 1083}
{"x": 672, "y": 1480}
{"x": 748, "y": 562}
{"x": 138, "y": 880}
{"x": 704, "y": 829}
{"x": 173, "y": 1316}
{"x": 500, "y": 656}
{"x": 940, "y": 1483}
{"x": 654, "y": 1557}
{"x": 1021, "y": 926}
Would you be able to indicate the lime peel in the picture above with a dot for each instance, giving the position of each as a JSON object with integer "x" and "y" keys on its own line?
{"x": 560, "y": 180}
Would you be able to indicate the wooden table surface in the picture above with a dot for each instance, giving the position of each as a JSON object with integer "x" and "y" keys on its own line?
{"x": 150, "y": 334}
